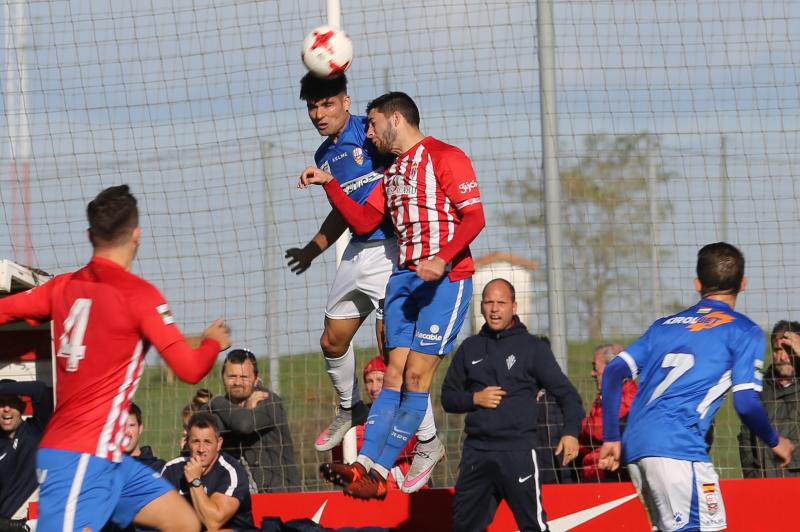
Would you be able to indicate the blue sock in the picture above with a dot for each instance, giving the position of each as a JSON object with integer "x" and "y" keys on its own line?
{"x": 379, "y": 422}
{"x": 404, "y": 426}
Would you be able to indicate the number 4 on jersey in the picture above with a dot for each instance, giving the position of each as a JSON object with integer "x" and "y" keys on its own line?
{"x": 71, "y": 343}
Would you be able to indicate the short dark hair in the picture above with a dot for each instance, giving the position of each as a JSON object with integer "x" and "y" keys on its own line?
{"x": 392, "y": 102}
{"x": 135, "y": 411}
{"x": 203, "y": 420}
{"x": 201, "y": 398}
{"x": 238, "y": 356}
{"x": 507, "y": 283}
{"x": 720, "y": 269}
{"x": 112, "y": 215}
{"x": 313, "y": 88}
{"x": 782, "y": 327}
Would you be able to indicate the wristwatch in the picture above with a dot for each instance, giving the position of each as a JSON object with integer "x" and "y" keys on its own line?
{"x": 196, "y": 483}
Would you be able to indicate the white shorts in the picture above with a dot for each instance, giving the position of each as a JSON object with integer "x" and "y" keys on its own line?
{"x": 360, "y": 283}
{"x": 679, "y": 494}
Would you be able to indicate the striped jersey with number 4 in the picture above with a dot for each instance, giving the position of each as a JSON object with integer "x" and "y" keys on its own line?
{"x": 686, "y": 363}
{"x": 101, "y": 316}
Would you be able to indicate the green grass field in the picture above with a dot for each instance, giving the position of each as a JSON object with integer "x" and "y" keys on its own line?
{"x": 309, "y": 399}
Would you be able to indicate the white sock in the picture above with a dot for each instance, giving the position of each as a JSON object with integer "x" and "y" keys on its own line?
{"x": 342, "y": 371}
{"x": 365, "y": 461}
{"x": 382, "y": 471}
{"x": 427, "y": 429}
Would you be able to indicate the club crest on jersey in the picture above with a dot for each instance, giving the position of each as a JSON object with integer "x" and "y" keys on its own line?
{"x": 325, "y": 167}
{"x": 412, "y": 173}
{"x": 358, "y": 155}
{"x": 510, "y": 361}
{"x": 396, "y": 186}
{"x": 166, "y": 314}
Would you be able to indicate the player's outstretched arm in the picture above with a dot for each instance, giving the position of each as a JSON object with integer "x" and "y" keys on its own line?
{"x": 312, "y": 175}
{"x": 191, "y": 365}
{"x": 33, "y": 306}
{"x": 360, "y": 218}
{"x": 329, "y": 232}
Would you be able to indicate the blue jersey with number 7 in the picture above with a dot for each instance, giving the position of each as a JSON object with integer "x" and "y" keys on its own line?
{"x": 686, "y": 363}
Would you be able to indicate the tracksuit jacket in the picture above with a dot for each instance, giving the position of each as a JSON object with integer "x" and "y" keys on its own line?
{"x": 521, "y": 364}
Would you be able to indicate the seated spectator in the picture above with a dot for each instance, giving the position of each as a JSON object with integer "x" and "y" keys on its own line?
{"x": 591, "y": 436}
{"x": 213, "y": 482}
{"x": 199, "y": 402}
{"x": 373, "y": 381}
{"x": 142, "y": 454}
{"x": 18, "y": 442}
{"x": 781, "y": 398}
{"x": 254, "y": 425}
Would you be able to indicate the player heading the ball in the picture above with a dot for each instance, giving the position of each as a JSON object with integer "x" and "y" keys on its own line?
{"x": 431, "y": 194}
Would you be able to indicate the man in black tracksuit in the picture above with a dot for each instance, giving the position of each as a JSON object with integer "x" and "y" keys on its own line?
{"x": 495, "y": 376}
{"x": 19, "y": 439}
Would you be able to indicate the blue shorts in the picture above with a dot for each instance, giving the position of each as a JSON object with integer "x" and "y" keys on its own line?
{"x": 83, "y": 491}
{"x": 425, "y": 316}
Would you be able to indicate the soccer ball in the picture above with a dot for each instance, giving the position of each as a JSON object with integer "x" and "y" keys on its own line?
{"x": 327, "y": 52}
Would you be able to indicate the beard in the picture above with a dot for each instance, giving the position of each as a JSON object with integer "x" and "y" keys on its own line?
{"x": 240, "y": 394}
{"x": 784, "y": 370}
{"x": 385, "y": 141}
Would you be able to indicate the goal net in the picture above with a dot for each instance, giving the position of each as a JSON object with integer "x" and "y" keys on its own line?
{"x": 677, "y": 126}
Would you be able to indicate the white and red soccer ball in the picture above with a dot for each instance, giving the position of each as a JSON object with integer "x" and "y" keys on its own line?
{"x": 327, "y": 52}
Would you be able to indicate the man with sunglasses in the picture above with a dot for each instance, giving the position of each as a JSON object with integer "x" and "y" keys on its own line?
{"x": 254, "y": 425}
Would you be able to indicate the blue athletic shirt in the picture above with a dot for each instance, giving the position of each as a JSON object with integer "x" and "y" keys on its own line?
{"x": 686, "y": 363}
{"x": 358, "y": 167}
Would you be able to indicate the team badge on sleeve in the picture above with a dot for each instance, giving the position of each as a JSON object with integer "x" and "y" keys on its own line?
{"x": 166, "y": 314}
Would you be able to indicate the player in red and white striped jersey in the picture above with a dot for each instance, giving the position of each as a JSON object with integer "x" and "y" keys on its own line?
{"x": 104, "y": 320}
{"x": 432, "y": 196}
{"x": 431, "y": 190}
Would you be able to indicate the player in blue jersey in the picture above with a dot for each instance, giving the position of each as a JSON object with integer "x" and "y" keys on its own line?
{"x": 368, "y": 261}
{"x": 686, "y": 363}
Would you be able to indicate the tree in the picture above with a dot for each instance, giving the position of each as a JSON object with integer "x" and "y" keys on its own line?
{"x": 605, "y": 217}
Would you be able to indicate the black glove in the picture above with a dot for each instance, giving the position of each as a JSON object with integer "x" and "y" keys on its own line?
{"x": 13, "y": 525}
{"x": 300, "y": 259}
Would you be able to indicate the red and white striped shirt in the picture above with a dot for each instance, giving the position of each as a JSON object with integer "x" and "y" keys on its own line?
{"x": 426, "y": 192}
{"x": 104, "y": 319}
